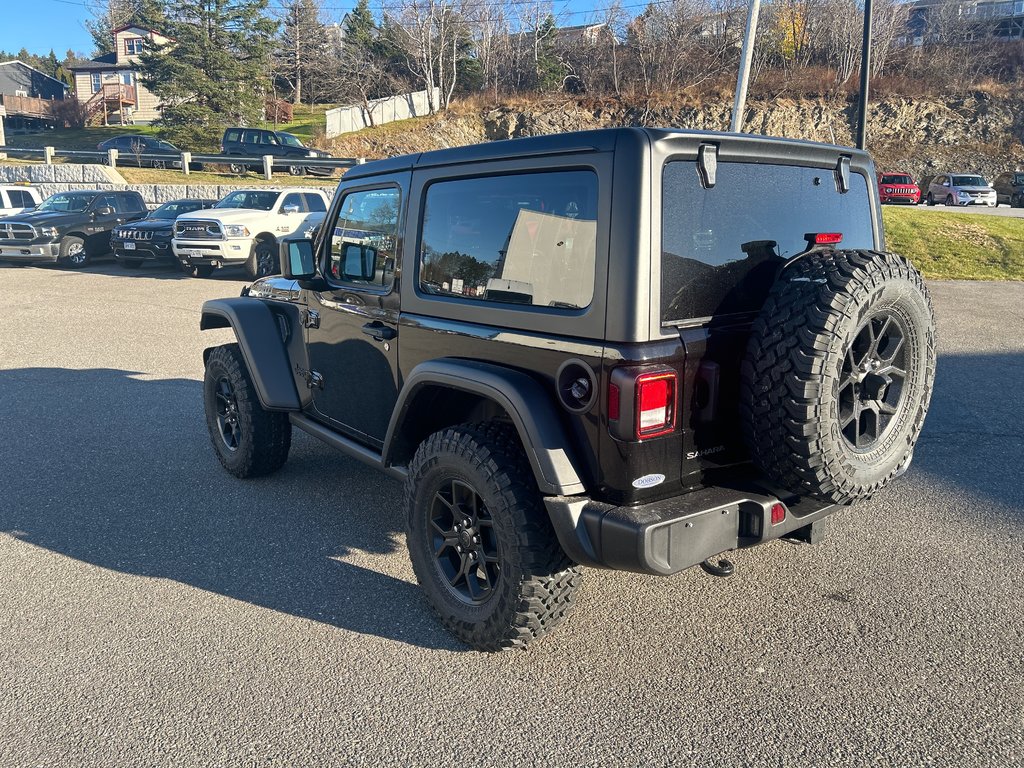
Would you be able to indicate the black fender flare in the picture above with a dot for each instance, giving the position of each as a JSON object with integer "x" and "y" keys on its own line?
{"x": 524, "y": 400}
{"x": 259, "y": 338}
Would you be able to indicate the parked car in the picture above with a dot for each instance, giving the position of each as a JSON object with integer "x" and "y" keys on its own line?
{"x": 244, "y": 229}
{"x": 556, "y": 388}
{"x": 1009, "y": 188}
{"x": 257, "y": 142}
{"x": 898, "y": 188}
{"x": 149, "y": 239}
{"x": 960, "y": 189}
{"x": 146, "y": 151}
{"x": 17, "y": 199}
{"x": 70, "y": 228}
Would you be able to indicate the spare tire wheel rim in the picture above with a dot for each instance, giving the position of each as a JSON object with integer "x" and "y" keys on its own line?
{"x": 874, "y": 380}
{"x": 460, "y": 532}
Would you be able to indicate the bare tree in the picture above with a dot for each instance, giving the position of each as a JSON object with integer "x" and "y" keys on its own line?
{"x": 434, "y": 36}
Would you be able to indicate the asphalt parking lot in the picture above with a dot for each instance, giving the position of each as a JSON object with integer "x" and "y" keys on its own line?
{"x": 156, "y": 611}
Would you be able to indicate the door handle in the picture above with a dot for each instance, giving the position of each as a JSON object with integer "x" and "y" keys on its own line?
{"x": 379, "y": 331}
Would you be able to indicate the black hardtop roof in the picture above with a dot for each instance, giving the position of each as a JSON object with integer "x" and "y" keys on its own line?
{"x": 600, "y": 140}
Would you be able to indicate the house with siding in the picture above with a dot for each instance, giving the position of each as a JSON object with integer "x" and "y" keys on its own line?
{"x": 110, "y": 86}
{"x": 27, "y": 95}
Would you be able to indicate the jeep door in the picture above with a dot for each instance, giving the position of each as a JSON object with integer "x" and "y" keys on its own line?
{"x": 352, "y": 323}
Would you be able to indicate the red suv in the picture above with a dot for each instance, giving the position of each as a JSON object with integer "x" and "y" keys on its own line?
{"x": 898, "y": 188}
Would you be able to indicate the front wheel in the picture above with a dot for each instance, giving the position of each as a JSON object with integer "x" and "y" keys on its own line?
{"x": 296, "y": 170}
{"x": 929, "y": 200}
{"x": 261, "y": 261}
{"x": 949, "y": 200}
{"x": 248, "y": 440}
{"x": 73, "y": 252}
{"x": 480, "y": 541}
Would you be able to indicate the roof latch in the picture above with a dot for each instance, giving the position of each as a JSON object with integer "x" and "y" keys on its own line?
{"x": 843, "y": 174}
{"x": 707, "y": 164}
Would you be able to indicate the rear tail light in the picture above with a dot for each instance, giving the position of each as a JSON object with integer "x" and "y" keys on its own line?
{"x": 778, "y": 513}
{"x": 642, "y": 404}
{"x": 655, "y": 404}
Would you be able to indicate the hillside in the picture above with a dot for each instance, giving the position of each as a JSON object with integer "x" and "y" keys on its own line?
{"x": 978, "y": 132}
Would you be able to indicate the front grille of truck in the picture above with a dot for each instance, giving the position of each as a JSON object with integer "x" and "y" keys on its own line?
{"x": 198, "y": 230}
{"x": 17, "y": 233}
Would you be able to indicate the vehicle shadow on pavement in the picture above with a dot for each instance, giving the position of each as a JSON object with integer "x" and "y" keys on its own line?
{"x": 116, "y": 470}
{"x": 108, "y": 266}
{"x": 972, "y": 436}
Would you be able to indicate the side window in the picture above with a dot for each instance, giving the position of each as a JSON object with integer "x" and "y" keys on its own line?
{"x": 314, "y": 203}
{"x": 132, "y": 204}
{"x": 364, "y": 238}
{"x": 21, "y": 199}
{"x": 293, "y": 199}
{"x": 233, "y": 136}
{"x": 250, "y": 137}
{"x": 107, "y": 201}
{"x": 521, "y": 239}
{"x": 267, "y": 138}
{"x": 3, "y": 200}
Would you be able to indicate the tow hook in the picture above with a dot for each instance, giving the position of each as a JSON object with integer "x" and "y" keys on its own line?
{"x": 723, "y": 568}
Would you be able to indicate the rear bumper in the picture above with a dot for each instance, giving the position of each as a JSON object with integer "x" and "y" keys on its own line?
{"x": 668, "y": 536}
{"x": 33, "y": 253}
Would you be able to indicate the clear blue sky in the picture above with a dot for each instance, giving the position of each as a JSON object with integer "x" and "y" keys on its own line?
{"x": 40, "y": 25}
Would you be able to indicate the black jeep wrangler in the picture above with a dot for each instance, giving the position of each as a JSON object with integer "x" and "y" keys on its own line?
{"x": 603, "y": 349}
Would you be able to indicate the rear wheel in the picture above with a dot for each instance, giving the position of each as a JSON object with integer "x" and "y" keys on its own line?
{"x": 929, "y": 200}
{"x": 160, "y": 164}
{"x": 73, "y": 252}
{"x": 480, "y": 541}
{"x": 839, "y": 373}
{"x": 237, "y": 168}
{"x": 248, "y": 440}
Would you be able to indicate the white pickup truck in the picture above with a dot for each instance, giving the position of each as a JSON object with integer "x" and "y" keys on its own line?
{"x": 18, "y": 199}
{"x": 244, "y": 228}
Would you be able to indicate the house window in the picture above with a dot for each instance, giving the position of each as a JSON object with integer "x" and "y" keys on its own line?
{"x": 97, "y": 81}
{"x": 133, "y": 46}
{"x": 126, "y": 78}
{"x": 21, "y": 93}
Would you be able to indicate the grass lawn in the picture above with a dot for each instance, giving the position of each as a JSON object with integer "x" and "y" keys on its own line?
{"x": 957, "y": 246}
{"x": 282, "y": 179}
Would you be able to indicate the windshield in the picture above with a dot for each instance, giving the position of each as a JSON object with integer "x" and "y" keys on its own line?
{"x": 66, "y": 202}
{"x": 253, "y": 200}
{"x": 288, "y": 140}
{"x": 969, "y": 181}
{"x": 897, "y": 178}
{"x": 175, "y": 209}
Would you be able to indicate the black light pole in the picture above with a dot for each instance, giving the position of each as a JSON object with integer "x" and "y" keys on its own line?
{"x": 865, "y": 77}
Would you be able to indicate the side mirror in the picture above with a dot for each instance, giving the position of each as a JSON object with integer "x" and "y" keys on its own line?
{"x": 290, "y": 208}
{"x": 359, "y": 262}
{"x": 106, "y": 210}
{"x": 298, "y": 261}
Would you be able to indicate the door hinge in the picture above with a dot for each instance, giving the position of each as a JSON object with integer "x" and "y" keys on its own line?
{"x": 311, "y": 318}
{"x": 313, "y": 379}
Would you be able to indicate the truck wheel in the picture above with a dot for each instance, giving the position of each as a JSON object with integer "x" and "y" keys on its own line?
{"x": 73, "y": 252}
{"x": 838, "y": 374}
{"x": 261, "y": 261}
{"x": 249, "y": 441}
{"x": 480, "y": 541}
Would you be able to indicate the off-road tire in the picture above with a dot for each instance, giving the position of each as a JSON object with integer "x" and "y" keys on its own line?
{"x": 261, "y": 261}
{"x": 536, "y": 585}
{"x": 73, "y": 252}
{"x": 792, "y": 401}
{"x": 264, "y": 436}
{"x": 131, "y": 263}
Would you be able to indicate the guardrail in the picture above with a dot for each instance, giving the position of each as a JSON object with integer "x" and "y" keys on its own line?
{"x": 186, "y": 161}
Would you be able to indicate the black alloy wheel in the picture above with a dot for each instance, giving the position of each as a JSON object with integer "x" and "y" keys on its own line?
{"x": 461, "y": 535}
{"x": 872, "y": 381}
{"x": 227, "y": 414}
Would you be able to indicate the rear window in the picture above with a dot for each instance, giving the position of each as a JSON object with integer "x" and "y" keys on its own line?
{"x": 722, "y": 247}
{"x": 519, "y": 239}
{"x": 233, "y": 135}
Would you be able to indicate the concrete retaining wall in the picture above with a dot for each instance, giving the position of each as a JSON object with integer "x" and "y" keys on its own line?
{"x": 67, "y": 177}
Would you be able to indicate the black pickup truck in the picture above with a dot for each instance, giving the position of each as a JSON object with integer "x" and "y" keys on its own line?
{"x": 604, "y": 349}
{"x": 69, "y": 228}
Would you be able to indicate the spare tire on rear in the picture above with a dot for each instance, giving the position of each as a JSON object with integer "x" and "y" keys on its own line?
{"x": 838, "y": 374}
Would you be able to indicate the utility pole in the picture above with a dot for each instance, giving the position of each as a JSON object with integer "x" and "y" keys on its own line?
{"x": 865, "y": 77}
{"x": 746, "y": 56}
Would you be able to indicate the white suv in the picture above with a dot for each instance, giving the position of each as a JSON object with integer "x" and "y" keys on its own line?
{"x": 244, "y": 228}
{"x": 15, "y": 200}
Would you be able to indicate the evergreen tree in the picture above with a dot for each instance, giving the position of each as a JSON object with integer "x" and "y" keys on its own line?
{"x": 108, "y": 15}
{"x": 360, "y": 29}
{"x": 215, "y": 70}
{"x": 303, "y": 49}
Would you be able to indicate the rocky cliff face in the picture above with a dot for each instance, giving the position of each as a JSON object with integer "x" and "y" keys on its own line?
{"x": 974, "y": 133}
